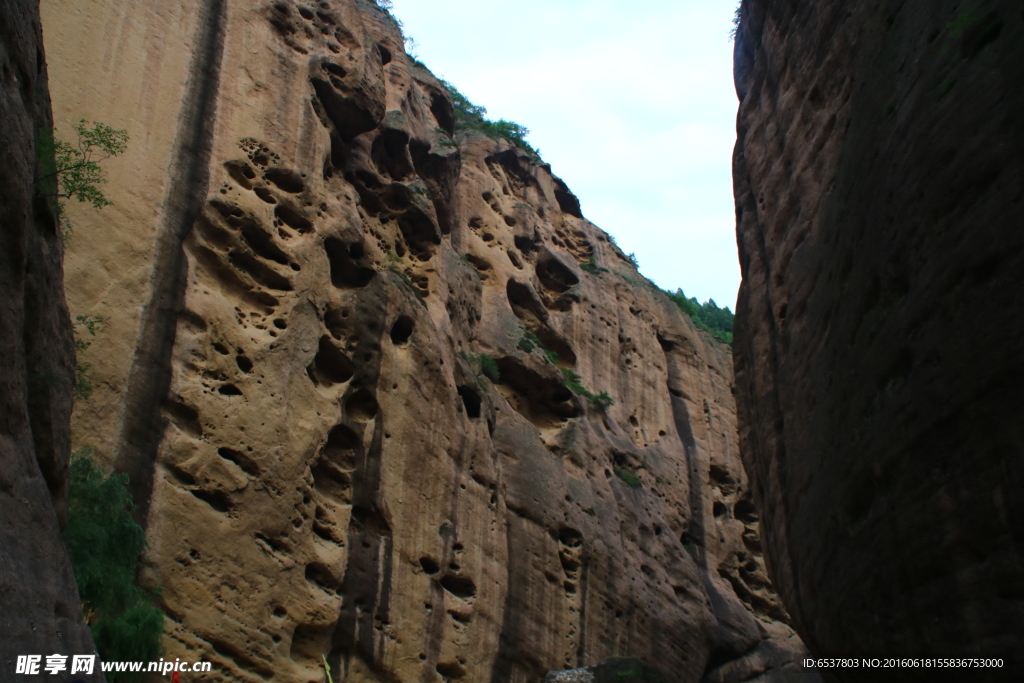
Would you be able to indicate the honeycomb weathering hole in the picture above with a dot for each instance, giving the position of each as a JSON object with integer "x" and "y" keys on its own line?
{"x": 523, "y": 301}
{"x": 459, "y": 586}
{"x": 745, "y": 511}
{"x": 543, "y": 400}
{"x": 293, "y": 219}
{"x": 443, "y": 112}
{"x": 320, "y": 575}
{"x": 429, "y": 565}
{"x": 346, "y": 271}
{"x": 340, "y": 438}
{"x": 452, "y": 670}
{"x": 330, "y": 365}
{"x": 471, "y": 400}
{"x": 401, "y": 330}
{"x": 288, "y": 180}
{"x": 241, "y": 459}
{"x": 555, "y": 275}
{"x": 570, "y": 538}
{"x": 361, "y": 406}
{"x": 265, "y": 194}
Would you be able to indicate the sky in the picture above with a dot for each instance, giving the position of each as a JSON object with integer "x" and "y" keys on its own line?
{"x": 632, "y": 104}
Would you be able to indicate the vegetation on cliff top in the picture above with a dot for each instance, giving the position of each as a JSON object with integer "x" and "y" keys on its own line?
{"x": 707, "y": 316}
{"x": 106, "y": 545}
{"x": 469, "y": 116}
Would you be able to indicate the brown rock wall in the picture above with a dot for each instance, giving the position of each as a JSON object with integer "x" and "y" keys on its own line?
{"x": 878, "y": 186}
{"x": 317, "y": 372}
{"x": 41, "y": 612}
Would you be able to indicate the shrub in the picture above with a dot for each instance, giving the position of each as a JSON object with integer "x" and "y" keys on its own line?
{"x": 488, "y": 366}
{"x": 105, "y": 545}
{"x": 575, "y": 384}
{"x": 528, "y": 342}
{"x": 628, "y": 477}
{"x": 591, "y": 267}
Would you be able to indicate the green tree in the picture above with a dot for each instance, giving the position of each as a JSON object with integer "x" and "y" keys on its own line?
{"x": 73, "y": 171}
{"x": 106, "y": 545}
{"x": 708, "y": 317}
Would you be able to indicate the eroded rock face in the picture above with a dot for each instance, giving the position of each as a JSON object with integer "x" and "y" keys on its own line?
{"x": 879, "y": 322}
{"x": 41, "y": 613}
{"x": 348, "y": 362}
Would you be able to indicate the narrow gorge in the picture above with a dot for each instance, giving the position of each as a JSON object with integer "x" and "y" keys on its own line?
{"x": 383, "y": 393}
{"x": 392, "y": 410}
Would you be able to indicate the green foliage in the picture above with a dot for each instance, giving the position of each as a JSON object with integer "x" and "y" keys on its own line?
{"x": 327, "y": 669}
{"x": 73, "y": 170}
{"x": 105, "y": 545}
{"x": 469, "y": 116}
{"x": 445, "y": 140}
{"x": 628, "y": 477}
{"x": 632, "y": 259}
{"x": 573, "y": 381}
{"x": 528, "y": 342}
{"x": 83, "y": 384}
{"x": 575, "y": 384}
{"x": 963, "y": 22}
{"x": 708, "y": 317}
{"x": 736, "y": 19}
{"x": 591, "y": 267}
{"x": 488, "y": 366}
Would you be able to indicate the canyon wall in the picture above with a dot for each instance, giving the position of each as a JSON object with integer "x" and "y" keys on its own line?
{"x": 383, "y": 393}
{"x": 878, "y": 178}
{"x": 41, "y": 612}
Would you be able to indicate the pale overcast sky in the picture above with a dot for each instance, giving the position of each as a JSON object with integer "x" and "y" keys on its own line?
{"x": 632, "y": 104}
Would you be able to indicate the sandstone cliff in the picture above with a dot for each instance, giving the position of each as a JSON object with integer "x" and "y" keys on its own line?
{"x": 40, "y": 609}
{"x": 324, "y": 368}
{"x": 879, "y": 201}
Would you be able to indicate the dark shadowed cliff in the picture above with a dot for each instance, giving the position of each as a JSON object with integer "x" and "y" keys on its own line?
{"x": 879, "y": 180}
{"x": 39, "y": 610}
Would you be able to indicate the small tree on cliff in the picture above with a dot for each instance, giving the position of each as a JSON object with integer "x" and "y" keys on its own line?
{"x": 72, "y": 171}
